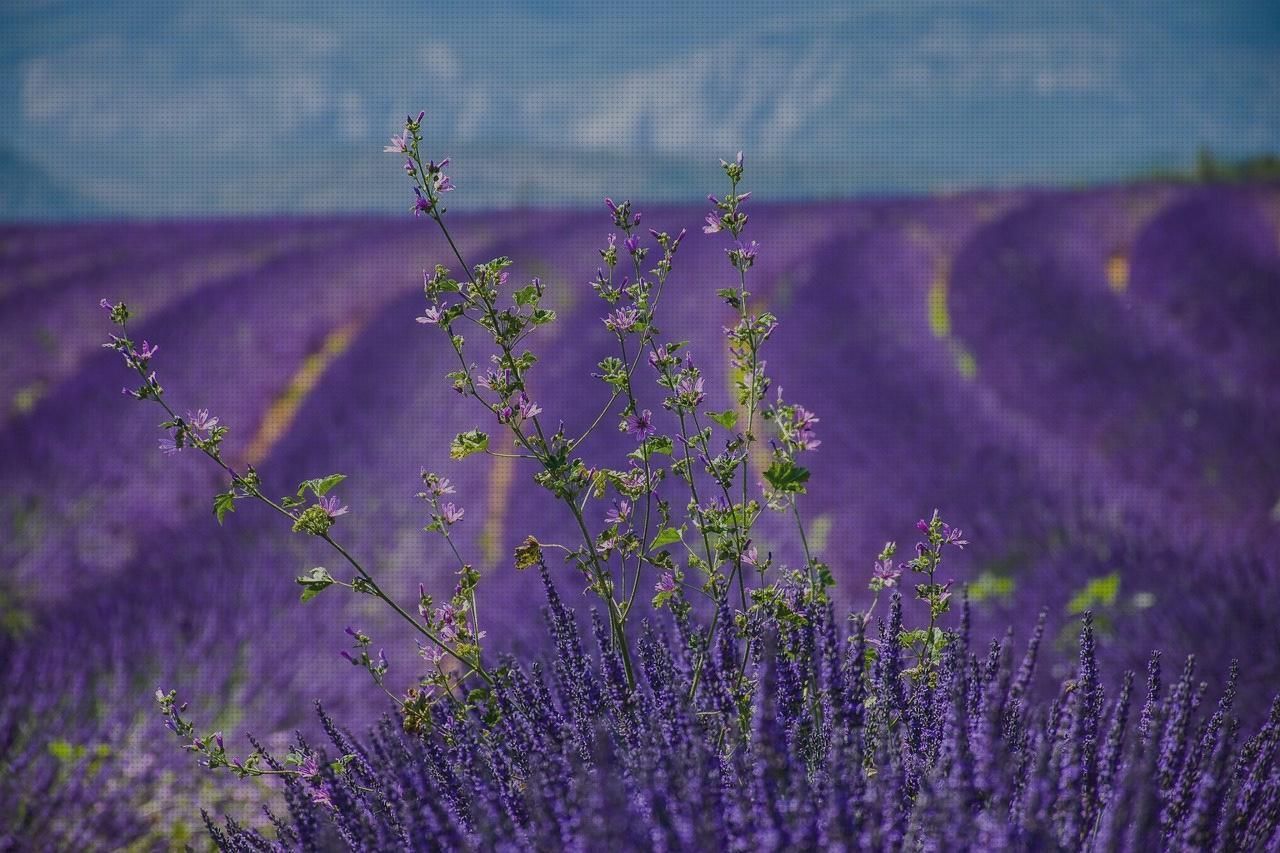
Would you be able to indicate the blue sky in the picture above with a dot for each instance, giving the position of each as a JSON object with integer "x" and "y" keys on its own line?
{"x": 139, "y": 108}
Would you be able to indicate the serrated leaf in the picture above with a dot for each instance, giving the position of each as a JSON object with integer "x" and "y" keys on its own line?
{"x": 786, "y": 476}
{"x": 224, "y": 503}
{"x": 654, "y": 444}
{"x": 467, "y": 443}
{"x": 321, "y": 485}
{"x": 665, "y": 536}
{"x": 727, "y": 419}
{"x": 328, "y": 483}
{"x": 314, "y": 582}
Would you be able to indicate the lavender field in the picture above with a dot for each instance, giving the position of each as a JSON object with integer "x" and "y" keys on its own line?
{"x": 1088, "y": 382}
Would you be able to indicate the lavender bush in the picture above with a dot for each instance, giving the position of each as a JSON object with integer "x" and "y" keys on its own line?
{"x": 725, "y": 706}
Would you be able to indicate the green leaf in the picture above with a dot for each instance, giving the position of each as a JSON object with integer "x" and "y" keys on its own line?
{"x": 528, "y": 553}
{"x": 665, "y": 536}
{"x": 321, "y": 485}
{"x": 314, "y": 582}
{"x": 730, "y": 295}
{"x": 224, "y": 503}
{"x": 786, "y": 476}
{"x": 467, "y": 443}
{"x": 914, "y": 637}
{"x": 655, "y": 444}
{"x": 727, "y": 419}
{"x": 328, "y": 483}
{"x": 527, "y": 295}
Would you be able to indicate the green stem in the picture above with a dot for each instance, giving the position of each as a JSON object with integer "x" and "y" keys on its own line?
{"x": 373, "y": 585}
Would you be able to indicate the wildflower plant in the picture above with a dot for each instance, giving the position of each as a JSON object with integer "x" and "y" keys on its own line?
{"x": 727, "y": 705}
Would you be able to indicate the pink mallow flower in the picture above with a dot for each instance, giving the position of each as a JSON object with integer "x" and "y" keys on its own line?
{"x": 640, "y": 425}
{"x": 399, "y": 144}
{"x": 451, "y": 513}
{"x": 332, "y": 508}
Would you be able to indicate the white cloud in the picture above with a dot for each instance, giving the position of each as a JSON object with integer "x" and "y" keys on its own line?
{"x": 103, "y": 89}
{"x": 437, "y": 58}
{"x": 352, "y": 119}
{"x": 475, "y": 111}
{"x": 275, "y": 40}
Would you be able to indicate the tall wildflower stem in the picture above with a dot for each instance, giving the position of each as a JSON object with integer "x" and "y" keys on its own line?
{"x": 249, "y": 485}
{"x": 647, "y": 336}
{"x": 648, "y": 493}
{"x": 739, "y": 530}
{"x": 734, "y": 222}
{"x": 646, "y": 340}
{"x": 616, "y": 616}
{"x": 808, "y": 555}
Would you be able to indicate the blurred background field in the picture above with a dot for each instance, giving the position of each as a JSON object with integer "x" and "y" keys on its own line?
{"x": 1027, "y": 269}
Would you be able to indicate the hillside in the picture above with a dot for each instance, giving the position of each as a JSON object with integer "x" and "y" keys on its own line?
{"x": 1087, "y": 382}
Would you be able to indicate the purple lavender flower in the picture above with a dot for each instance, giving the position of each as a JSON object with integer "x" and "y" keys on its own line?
{"x": 640, "y": 425}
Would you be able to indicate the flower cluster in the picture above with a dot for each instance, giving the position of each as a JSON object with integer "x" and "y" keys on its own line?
{"x": 430, "y": 181}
